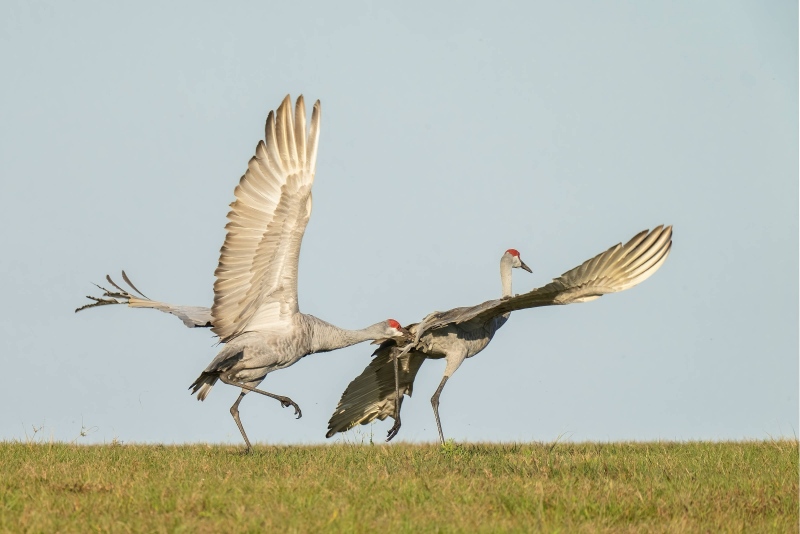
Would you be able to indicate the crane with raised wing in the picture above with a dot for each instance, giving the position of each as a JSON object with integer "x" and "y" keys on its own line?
{"x": 460, "y": 333}
{"x": 255, "y": 312}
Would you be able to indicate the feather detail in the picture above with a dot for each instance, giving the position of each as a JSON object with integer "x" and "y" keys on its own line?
{"x": 256, "y": 279}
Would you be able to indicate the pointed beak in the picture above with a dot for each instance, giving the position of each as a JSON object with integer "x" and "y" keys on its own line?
{"x": 523, "y": 266}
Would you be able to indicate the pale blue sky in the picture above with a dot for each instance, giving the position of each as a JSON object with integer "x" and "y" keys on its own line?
{"x": 449, "y": 134}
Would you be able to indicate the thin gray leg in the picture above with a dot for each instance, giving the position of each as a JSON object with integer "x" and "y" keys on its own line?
{"x": 235, "y": 414}
{"x": 285, "y": 401}
{"x": 435, "y": 404}
{"x": 396, "y": 427}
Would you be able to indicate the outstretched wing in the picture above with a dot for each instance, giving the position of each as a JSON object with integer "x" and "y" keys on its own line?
{"x": 256, "y": 285}
{"x": 372, "y": 395}
{"x": 192, "y": 316}
{"x": 619, "y": 268}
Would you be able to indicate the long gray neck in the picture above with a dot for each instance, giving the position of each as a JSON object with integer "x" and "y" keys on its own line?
{"x": 505, "y": 274}
{"x": 326, "y": 337}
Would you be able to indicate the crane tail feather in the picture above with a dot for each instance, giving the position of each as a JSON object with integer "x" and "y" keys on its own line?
{"x": 202, "y": 386}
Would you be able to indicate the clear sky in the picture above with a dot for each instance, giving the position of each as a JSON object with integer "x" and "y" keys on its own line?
{"x": 449, "y": 134}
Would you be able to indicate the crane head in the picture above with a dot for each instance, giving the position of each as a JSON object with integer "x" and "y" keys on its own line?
{"x": 516, "y": 261}
{"x": 392, "y": 331}
{"x": 396, "y": 330}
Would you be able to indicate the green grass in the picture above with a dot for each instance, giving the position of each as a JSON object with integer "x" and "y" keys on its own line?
{"x": 609, "y": 487}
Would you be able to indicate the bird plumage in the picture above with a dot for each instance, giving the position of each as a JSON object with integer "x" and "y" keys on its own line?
{"x": 617, "y": 269}
{"x": 371, "y": 395}
{"x": 256, "y": 280}
{"x": 192, "y": 316}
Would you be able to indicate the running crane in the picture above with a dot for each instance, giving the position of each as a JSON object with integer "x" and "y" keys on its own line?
{"x": 255, "y": 311}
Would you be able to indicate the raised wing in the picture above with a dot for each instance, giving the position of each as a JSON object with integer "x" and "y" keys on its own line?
{"x": 619, "y": 268}
{"x": 372, "y": 394}
{"x": 192, "y": 316}
{"x": 256, "y": 285}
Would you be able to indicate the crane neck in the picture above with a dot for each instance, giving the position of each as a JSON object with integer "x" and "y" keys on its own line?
{"x": 326, "y": 337}
{"x": 505, "y": 274}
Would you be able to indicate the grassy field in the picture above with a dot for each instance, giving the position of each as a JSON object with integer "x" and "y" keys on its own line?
{"x": 609, "y": 487}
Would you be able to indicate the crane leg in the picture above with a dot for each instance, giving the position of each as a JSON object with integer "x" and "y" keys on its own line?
{"x": 396, "y": 426}
{"x": 235, "y": 414}
{"x": 435, "y": 404}
{"x": 454, "y": 360}
{"x": 285, "y": 401}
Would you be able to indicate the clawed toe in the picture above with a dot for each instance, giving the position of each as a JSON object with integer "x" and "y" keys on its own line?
{"x": 393, "y": 431}
{"x": 286, "y": 402}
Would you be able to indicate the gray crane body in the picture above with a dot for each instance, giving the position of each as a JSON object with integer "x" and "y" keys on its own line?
{"x": 249, "y": 357}
{"x": 459, "y": 341}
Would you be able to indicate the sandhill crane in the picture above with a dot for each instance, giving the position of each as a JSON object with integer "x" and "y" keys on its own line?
{"x": 255, "y": 311}
{"x": 463, "y": 332}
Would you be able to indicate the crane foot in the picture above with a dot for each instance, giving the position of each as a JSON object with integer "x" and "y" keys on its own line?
{"x": 394, "y": 430}
{"x": 286, "y": 402}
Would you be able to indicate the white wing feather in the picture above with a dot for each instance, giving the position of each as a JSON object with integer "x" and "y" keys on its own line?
{"x": 256, "y": 285}
{"x": 192, "y": 316}
{"x": 619, "y": 268}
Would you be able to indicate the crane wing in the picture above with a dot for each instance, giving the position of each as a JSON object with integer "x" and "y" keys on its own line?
{"x": 256, "y": 285}
{"x": 371, "y": 395}
{"x": 192, "y": 316}
{"x": 619, "y": 268}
